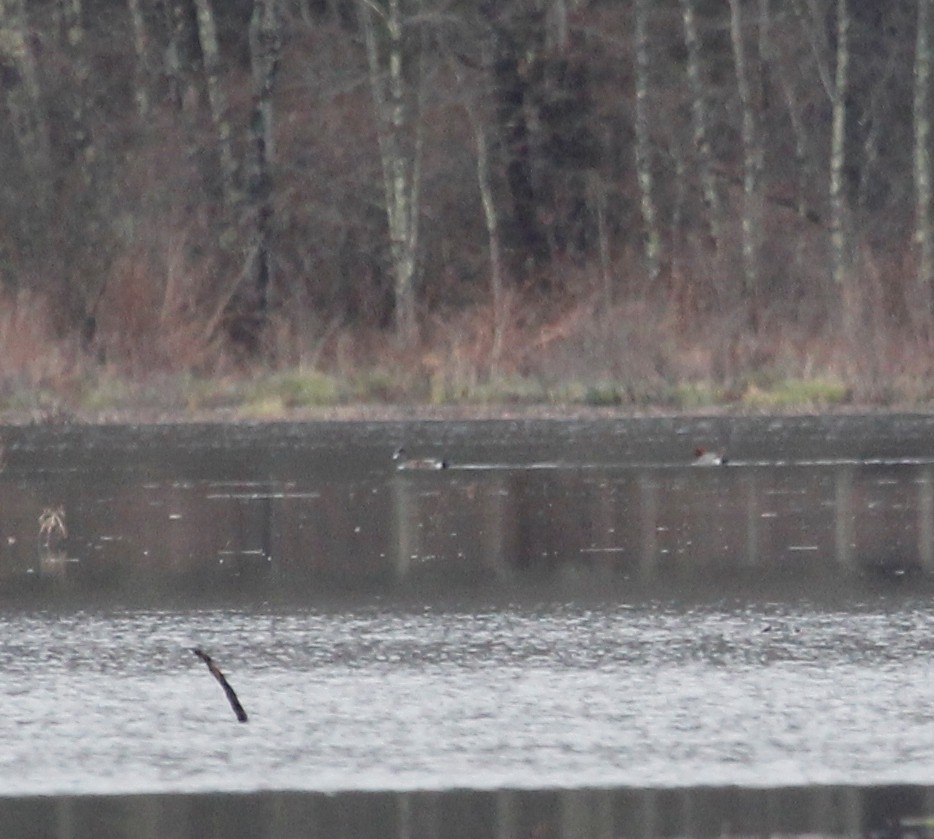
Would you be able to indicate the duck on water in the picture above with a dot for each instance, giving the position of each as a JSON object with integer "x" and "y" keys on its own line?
{"x": 425, "y": 463}
{"x": 702, "y": 457}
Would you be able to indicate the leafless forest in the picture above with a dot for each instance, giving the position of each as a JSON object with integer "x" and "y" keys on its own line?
{"x": 458, "y": 192}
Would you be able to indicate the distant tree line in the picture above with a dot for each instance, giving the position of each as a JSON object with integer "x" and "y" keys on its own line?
{"x": 183, "y": 175}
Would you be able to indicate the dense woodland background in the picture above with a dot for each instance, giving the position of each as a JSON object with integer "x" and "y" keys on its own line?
{"x": 454, "y": 192}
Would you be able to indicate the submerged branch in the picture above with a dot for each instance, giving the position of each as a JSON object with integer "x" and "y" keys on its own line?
{"x": 216, "y": 673}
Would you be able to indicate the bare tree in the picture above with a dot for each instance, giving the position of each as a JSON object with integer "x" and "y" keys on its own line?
{"x": 81, "y": 143}
{"x": 399, "y": 131}
{"x": 25, "y": 107}
{"x": 251, "y": 305}
{"x": 802, "y": 158}
{"x": 838, "y": 238}
{"x": 556, "y": 25}
{"x": 700, "y": 120}
{"x": 217, "y": 99}
{"x": 924, "y": 235}
{"x": 141, "y": 47}
{"x": 751, "y": 221}
{"x": 479, "y": 130}
{"x": 172, "y": 17}
{"x": 644, "y": 143}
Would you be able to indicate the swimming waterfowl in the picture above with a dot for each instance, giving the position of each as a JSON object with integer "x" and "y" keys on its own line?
{"x": 402, "y": 462}
{"x": 702, "y": 457}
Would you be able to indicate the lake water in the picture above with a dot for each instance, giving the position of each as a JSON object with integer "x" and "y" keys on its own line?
{"x": 569, "y": 632}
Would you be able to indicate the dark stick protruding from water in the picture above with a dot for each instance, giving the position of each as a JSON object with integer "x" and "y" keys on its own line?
{"x": 216, "y": 673}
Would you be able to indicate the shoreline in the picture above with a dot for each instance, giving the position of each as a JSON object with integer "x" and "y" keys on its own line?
{"x": 377, "y": 412}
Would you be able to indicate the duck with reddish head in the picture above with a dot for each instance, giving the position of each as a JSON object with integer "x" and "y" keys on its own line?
{"x": 702, "y": 457}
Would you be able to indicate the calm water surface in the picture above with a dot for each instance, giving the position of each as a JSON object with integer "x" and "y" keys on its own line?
{"x": 648, "y": 695}
{"x": 571, "y": 606}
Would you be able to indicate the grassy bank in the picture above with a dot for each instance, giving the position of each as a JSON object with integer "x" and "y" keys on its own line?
{"x": 553, "y": 357}
{"x": 100, "y": 395}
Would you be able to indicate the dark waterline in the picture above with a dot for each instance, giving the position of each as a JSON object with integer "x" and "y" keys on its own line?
{"x": 882, "y": 812}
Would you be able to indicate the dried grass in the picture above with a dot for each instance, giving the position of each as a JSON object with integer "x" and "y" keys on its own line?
{"x": 30, "y": 350}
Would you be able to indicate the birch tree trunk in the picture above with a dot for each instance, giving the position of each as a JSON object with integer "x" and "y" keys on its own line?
{"x": 173, "y": 23}
{"x": 838, "y": 244}
{"x": 556, "y": 18}
{"x": 515, "y": 110}
{"x": 71, "y": 14}
{"x": 798, "y": 130}
{"x": 812, "y": 27}
{"x": 752, "y": 167}
{"x": 210, "y": 50}
{"x": 265, "y": 48}
{"x": 24, "y": 97}
{"x": 399, "y": 132}
{"x": 598, "y": 199}
{"x": 922, "y": 155}
{"x": 176, "y": 68}
{"x": 141, "y": 47}
{"x": 803, "y": 164}
{"x": 644, "y": 144}
{"x": 699, "y": 122}
{"x": 490, "y": 217}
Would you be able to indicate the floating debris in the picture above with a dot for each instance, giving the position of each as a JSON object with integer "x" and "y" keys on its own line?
{"x": 216, "y": 673}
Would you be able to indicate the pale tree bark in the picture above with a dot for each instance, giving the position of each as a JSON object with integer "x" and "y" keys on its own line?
{"x": 173, "y": 21}
{"x": 652, "y": 239}
{"x": 793, "y": 108}
{"x": 803, "y": 163}
{"x": 679, "y": 161}
{"x": 556, "y": 17}
{"x": 72, "y": 23}
{"x": 143, "y": 70}
{"x": 217, "y": 100}
{"x": 924, "y": 235}
{"x": 175, "y": 64}
{"x": 82, "y": 289}
{"x": 265, "y": 48}
{"x": 811, "y": 20}
{"x": 700, "y": 121}
{"x": 751, "y": 223}
{"x": 490, "y": 217}
{"x": 26, "y": 112}
{"x": 597, "y": 189}
{"x": 874, "y": 109}
{"x": 838, "y": 237}
{"x": 399, "y": 133}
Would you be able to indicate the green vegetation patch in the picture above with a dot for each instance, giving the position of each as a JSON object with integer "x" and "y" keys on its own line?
{"x": 692, "y": 396}
{"x": 295, "y": 389}
{"x": 510, "y": 390}
{"x": 795, "y": 393}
